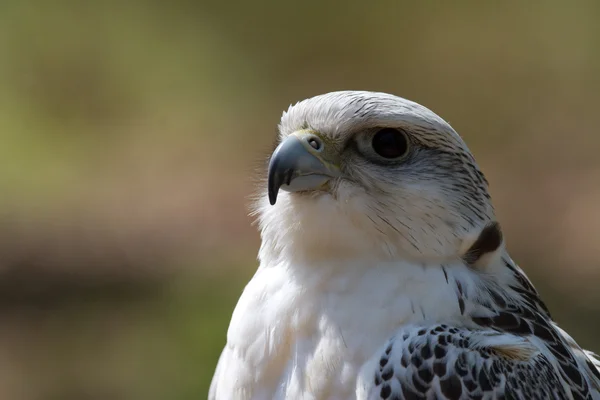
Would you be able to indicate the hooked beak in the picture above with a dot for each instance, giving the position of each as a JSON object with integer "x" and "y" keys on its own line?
{"x": 300, "y": 163}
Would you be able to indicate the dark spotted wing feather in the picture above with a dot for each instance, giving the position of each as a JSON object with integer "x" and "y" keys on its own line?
{"x": 526, "y": 315}
{"x": 512, "y": 350}
{"x": 442, "y": 362}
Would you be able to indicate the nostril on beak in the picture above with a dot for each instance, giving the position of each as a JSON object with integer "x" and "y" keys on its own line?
{"x": 314, "y": 142}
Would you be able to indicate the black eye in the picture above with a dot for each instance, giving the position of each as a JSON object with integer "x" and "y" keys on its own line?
{"x": 390, "y": 143}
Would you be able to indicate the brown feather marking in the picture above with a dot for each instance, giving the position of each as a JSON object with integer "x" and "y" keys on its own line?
{"x": 513, "y": 352}
{"x": 488, "y": 241}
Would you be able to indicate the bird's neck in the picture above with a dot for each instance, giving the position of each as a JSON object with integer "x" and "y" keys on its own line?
{"x": 353, "y": 262}
{"x": 435, "y": 289}
{"x": 313, "y": 231}
{"x": 413, "y": 292}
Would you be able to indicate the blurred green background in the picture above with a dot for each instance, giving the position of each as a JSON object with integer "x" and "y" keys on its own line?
{"x": 130, "y": 133}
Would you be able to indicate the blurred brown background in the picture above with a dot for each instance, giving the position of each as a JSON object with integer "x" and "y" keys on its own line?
{"x": 129, "y": 133}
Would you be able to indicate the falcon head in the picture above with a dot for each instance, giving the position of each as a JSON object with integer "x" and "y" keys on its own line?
{"x": 362, "y": 174}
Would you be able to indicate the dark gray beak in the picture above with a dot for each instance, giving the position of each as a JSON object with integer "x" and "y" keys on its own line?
{"x": 299, "y": 164}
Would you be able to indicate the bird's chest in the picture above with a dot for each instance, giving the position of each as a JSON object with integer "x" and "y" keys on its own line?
{"x": 328, "y": 348}
{"x": 311, "y": 338}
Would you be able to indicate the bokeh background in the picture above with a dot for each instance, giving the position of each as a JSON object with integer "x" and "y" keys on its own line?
{"x": 130, "y": 132}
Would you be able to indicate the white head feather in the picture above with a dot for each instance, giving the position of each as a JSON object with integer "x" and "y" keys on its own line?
{"x": 422, "y": 208}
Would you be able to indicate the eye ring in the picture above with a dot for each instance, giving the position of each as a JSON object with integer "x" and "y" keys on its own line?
{"x": 390, "y": 143}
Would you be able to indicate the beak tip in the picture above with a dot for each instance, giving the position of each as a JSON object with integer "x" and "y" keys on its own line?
{"x": 273, "y": 183}
{"x": 272, "y": 197}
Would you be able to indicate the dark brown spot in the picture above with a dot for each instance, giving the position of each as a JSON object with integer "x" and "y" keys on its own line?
{"x": 377, "y": 380}
{"x": 488, "y": 241}
{"x": 426, "y": 351}
{"x": 484, "y": 381}
{"x": 416, "y": 361}
{"x": 388, "y": 350}
{"x": 451, "y": 387}
{"x": 387, "y": 374}
{"x": 426, "y": 375}
{"x": 404, "y": 361}
{"x": 439, "y": 368}
{"x": 470, "y": 385}
{"x": 439, "y": 351}
{"x": 382, "y": 362}
{"x": 386, "y": 391}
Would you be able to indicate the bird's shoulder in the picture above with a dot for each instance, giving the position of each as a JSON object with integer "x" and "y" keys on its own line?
{"x": 455, "y": 363}
{"x": 506, "y": 345}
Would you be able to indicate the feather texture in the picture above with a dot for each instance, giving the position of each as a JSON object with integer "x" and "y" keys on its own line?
{"x": 392, "y": 281}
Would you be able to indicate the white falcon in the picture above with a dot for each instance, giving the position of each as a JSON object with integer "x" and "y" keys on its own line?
{"x": 383, "y": 271}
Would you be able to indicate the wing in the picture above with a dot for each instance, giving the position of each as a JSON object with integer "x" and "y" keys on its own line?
{"x": 442, "y": 362}
{"x": 520, "y": 311}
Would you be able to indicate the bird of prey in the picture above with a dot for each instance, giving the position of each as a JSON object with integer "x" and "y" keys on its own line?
{"x": 384, "y": 274}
